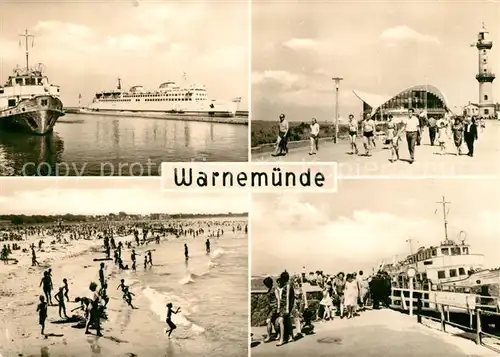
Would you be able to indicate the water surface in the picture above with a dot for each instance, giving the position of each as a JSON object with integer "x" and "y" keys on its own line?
{"x": 93, "y": 145}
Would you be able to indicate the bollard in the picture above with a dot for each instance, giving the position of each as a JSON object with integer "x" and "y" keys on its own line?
{"x": 478, "y": 326}
{"x": 443, "y": 320}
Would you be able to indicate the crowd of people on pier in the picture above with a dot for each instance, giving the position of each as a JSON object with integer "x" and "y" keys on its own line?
{"x": 291, "y": 312}
{"x": 442, "y": 130}
{"x": 92, "y": 308}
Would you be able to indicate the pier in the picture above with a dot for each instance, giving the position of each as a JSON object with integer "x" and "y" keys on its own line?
{"x": 239, "y": 119}
{"x": 427, "y": 160}
{"x": 383, "y": 332}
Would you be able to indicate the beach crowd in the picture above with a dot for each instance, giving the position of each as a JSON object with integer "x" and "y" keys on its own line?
{"x": 91, "y": 308}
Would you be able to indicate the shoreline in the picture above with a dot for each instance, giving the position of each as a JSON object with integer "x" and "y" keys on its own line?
{"x": 236, "y": 120}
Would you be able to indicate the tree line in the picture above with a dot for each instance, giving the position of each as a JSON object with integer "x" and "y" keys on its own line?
{"x": 20, "y": 219}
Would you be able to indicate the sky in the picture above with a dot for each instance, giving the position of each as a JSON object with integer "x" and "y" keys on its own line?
{"x": 368, "y": 221}
{"x": 87, "y": 45}
{"x": 378, "y": 47}
{"x": 109, "y": 195}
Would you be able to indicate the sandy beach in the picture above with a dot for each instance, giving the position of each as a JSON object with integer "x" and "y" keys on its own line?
{"x": 131, "y": 332}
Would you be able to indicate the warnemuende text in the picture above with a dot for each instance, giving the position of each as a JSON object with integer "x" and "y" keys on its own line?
{"x": 255, "y": 176}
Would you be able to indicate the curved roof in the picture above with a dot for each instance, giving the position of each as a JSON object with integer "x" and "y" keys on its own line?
{"x": 376, "y": 101}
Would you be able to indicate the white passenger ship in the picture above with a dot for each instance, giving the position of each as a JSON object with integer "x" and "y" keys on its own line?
{"x": 28, "y": 101}
{"x": 168, "y": 98}
{"x": 449, "y": 274}
{"x": 450, "y": 264}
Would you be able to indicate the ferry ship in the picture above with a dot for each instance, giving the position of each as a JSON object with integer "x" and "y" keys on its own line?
{"x": 28, "y": 101}
{"x": 450, "y": 264}
{"x": 447, "y": 273}
{"x": 168, "y": 98}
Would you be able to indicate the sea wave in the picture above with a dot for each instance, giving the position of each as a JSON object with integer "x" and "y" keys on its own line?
{"x": 192, "y": 277}
{"x": 218, "y": 253}
{"x": 158, "y": 302}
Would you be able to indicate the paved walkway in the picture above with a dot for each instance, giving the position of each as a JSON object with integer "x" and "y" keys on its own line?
{"x": 428, "y": 163}
{"x": 379, "y": 333}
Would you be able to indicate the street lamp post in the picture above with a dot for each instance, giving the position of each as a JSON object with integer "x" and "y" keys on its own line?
{"x": 337, "y": 83}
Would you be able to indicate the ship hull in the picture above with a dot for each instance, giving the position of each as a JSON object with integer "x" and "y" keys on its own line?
{"x": 37, "y": 115}
{"x": 173, "y": 113}
{"x": 206, "y": 109}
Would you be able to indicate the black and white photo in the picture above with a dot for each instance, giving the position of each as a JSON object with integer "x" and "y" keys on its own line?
{"x": 115, "y": 268}
{"x": 114, "y": 88}
{"x": 329, "y": 271}
{"x": 386, "y": 86}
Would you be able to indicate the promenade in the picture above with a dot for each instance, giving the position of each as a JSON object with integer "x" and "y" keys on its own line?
{"x": 427, "y": 160}
{"x": 376, "y": 333}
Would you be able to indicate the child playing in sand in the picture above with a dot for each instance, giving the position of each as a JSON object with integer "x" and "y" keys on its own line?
{"x": 102, "y": 280}
{"x": 132, "y": 256}
{"x": 150, "y": 258}
{"x": 42, "y": 313}
{"x": 66, "y": 288}
{"x": 169, "y": 318}
{"x": 59, "y": 297}
{"x": 84, "y": 305}
{"x": 47, "y": 287}
{"x": 104, "y": 294}
{"x": 127, "y": 296}
{"x": 122, "y": 285}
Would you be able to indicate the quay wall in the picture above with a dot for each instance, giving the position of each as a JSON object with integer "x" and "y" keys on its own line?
{"x": 238, "y": 120}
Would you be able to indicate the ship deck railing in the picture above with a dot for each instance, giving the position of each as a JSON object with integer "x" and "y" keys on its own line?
{"x": 477, "y": 315}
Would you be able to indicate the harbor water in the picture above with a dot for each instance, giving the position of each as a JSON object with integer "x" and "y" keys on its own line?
{"x": 100, "y": 145}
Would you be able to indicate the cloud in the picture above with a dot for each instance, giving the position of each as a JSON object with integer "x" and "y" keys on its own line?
{"x": 298, "y": 89}
{"x": 300, "y": 44}
{"x": 64, "y": 29}
{"x": 405, "y": 33}
{"x": 291, "y": 231}
{"x": 282, "y": 78}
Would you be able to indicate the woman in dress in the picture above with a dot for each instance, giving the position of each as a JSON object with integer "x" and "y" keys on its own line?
{"x": 327, "y": 302}
{"x": 351, "y": 294}
{"x": 458, "y": 134}
{"x": 392, "y": 139}
{"x": 442, "y": 134}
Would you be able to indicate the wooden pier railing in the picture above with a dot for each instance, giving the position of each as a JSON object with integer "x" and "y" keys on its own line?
{"x": 423, "y": 303}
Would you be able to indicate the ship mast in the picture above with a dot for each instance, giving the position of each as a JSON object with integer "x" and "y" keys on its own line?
{"x": 27, "y": 36}
{"x": 443, "y": 202}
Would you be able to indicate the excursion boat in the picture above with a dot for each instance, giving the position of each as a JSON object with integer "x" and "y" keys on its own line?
{"x": 168, "y": 98}
{"x": 28, "y": 101}
{"x": 449, "y": 273}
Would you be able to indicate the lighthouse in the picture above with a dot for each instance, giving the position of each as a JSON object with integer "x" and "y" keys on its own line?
{"x": 485, "y": 76}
